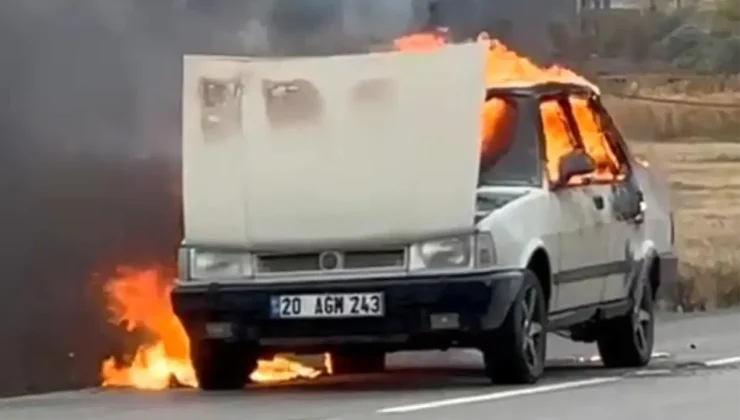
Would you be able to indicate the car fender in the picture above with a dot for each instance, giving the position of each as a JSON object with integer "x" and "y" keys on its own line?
{"x": 520, "y": 227}
{"x": 530, "y": 248}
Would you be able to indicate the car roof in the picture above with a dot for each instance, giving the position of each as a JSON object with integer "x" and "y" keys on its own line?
{"x": 538, "y": 90}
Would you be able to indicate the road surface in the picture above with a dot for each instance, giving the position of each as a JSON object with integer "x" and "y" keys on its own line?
{"x": 696, "y": 374}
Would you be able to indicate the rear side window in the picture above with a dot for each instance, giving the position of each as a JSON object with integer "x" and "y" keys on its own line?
{"x": 595, "y": 142}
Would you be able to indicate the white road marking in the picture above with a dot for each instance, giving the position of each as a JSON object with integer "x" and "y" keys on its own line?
{"x": 498, "y": 395}
{"x": 653, "y": 372}
{"x": 655, "y": 355}
{"x": 723, "y": 362}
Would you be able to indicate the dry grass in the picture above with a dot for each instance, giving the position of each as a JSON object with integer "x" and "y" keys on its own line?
{"x": 705, "y": 180}
{"x": 656, "y": 121}
{"x": 669, "y": 122}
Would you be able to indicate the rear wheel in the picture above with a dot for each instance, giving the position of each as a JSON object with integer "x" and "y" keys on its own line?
{"x": 221, "y": 366}
{"x": 627, "y": 341}
{"x": 515, "y": 353}
{"x": 346, "y": 362}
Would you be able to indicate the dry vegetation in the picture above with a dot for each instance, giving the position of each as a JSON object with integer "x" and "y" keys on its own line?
{"x": 656, "y": 121}
{"x": 705, "y": 178}
{"x": 665, "y": 122}
{"x": 699, "y": 150}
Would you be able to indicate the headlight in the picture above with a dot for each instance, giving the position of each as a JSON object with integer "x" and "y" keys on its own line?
{"x": 459, "y": 252}
{"x": 211, "y": 265}
{"x": 445, "y": 253}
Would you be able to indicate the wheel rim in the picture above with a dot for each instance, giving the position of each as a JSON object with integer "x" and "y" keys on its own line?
{"x": 642, "y": 324}
{"x": 532, "y": 328}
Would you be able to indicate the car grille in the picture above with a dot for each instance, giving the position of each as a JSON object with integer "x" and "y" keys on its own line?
{"x": 287, "y": 263}
{"x": 351, "y": 260}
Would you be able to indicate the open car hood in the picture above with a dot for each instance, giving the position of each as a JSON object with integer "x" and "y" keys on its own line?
{"x": 310, "y": 152}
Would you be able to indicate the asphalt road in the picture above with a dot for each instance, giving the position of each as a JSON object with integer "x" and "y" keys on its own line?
{"x": 696, "y": 373}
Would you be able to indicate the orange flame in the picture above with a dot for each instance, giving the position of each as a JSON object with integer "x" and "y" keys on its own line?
{"x": 506, "y": 68}
{"x": 281, "y": 369}
{"x": 140, "y": 301}
{"x": 152, "y": 368}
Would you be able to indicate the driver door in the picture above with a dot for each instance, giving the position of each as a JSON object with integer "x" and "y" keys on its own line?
{"x": 583, "y": 228}
{"x": 579, "y": 216}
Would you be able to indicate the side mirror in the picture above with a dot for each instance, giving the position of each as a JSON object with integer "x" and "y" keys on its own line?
{"x": 573, "y": 164}
{"x": 628, "y": 203}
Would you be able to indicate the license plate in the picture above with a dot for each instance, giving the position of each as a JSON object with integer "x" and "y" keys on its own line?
{"x": 334, "y": 305}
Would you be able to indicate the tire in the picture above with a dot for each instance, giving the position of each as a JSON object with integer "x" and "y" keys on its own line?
{"x": 515, "y": 353}
{"x": 221, "y": 366}
{"x": 345, "y": 363}
{"x": 627, "y": 341}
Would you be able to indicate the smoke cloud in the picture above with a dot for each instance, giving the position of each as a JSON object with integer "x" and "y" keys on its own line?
{"x": 90, "y": 145}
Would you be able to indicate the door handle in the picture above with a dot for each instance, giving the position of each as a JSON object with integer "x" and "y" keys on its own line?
{"x": 599, "y": 202}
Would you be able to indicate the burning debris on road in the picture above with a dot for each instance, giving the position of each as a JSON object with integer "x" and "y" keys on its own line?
{"x": 140, "y": 301}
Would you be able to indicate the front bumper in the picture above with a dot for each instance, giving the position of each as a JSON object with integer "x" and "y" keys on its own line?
{"x": 476, "y": 302}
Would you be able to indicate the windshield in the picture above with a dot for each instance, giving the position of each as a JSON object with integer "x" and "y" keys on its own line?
{"x": 509, "y": 151}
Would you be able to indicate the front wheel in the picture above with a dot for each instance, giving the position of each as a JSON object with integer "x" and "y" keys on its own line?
{"x": 515, "y": 353}
{"x": 221, "y": 366}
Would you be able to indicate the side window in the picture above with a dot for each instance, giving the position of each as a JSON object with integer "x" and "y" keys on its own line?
{"x": 559, "y": 139}
{"x": 609, "y": 166}
{"x": 610, "y": 129}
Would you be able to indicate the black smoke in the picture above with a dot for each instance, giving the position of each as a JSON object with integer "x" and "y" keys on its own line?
{"x": 89, "y": 145}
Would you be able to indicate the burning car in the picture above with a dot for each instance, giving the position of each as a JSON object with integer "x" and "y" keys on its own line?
{"x": 320, "y": 219}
